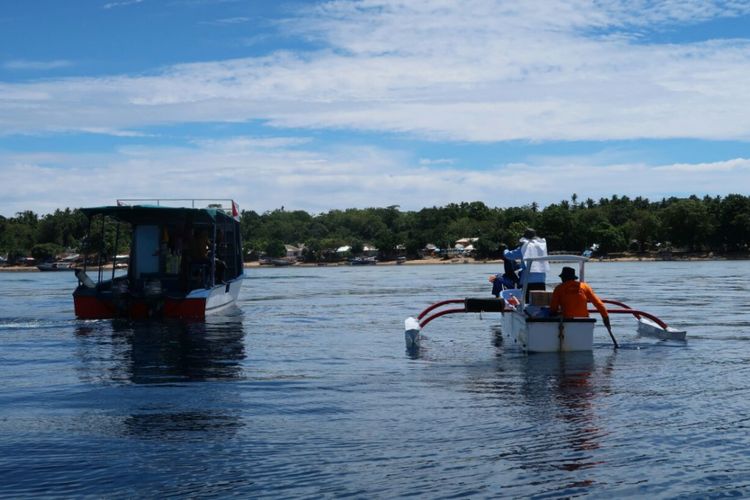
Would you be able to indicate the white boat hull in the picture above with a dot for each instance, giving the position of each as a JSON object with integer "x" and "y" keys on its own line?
{"x": 218, "y": 297}
{"x": 546, "y": 334}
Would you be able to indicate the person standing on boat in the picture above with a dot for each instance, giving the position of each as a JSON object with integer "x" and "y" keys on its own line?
{"x": 531, "y": 246}
{"x": 509, "y": 278}
{"x": 571, "y": 298}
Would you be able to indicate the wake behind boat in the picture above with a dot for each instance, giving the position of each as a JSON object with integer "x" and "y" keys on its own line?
{"x": 531, "y": 326}
{"x": 184, "y": 262}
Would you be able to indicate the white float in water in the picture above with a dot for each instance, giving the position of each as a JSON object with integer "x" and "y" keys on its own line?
{"x": 411, "y": 332}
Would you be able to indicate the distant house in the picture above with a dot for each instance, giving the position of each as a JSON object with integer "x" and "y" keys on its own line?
{"x": 464, "y": 242}
{"x": 294, "y": 252}
{"x": 369, "y": 251}
{"x": 344, "y": 249}
{"x": 430, "y": 249}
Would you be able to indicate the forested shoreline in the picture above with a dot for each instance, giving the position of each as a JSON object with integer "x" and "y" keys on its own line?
{"x": 618, "y": 224}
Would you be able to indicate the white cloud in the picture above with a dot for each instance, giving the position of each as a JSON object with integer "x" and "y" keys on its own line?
{"x": 24, "y": 65}
{"x": 228, "y": 21}
{"x": 473, "y": 71}
{"x": 123, "y": 3}
{"x": 436, "y": 161}
{"x": 480, "y": 70}
{"x": 265, "y": 173}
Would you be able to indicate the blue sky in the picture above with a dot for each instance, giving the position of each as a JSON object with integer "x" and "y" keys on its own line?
{"x": 337, "y": 104}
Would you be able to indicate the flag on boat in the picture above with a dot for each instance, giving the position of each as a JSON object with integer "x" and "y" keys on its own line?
{"x": 235, "y": 210}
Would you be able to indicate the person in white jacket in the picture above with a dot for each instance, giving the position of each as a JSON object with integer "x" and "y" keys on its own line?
{"x": 531, "y": 246}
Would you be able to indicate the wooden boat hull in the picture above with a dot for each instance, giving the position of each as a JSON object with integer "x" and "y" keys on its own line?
{"x": 548, "y": 334}
{"x": 103, "y": 304}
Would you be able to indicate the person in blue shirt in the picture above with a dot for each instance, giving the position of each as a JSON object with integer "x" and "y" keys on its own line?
{"x": 509, "y": 278}
{"x": 531, "y": 246}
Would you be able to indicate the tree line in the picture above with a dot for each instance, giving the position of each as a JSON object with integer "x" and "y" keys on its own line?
{"x": 617, "y": 224}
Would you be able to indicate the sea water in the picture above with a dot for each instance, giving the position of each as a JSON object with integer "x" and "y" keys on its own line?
{"x": 306, "y": 389}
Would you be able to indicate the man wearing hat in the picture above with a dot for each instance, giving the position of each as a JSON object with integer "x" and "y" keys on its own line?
{"x": 571, "y": 298}
{"x": 531, "y": 246}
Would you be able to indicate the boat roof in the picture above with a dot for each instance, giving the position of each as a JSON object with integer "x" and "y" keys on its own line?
{"x": 141, "y": 214}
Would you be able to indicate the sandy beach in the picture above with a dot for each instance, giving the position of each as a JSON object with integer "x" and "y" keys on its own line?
{"x": 435, "y": 262}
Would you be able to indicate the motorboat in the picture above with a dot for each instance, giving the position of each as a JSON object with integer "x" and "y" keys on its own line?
{"x": 67, "y": 263}
{"x": 363, "y": 261}
{"x": 184, "y": 261}
{"x": 530, "y": 325}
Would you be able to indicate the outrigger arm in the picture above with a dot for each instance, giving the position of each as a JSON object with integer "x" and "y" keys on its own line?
{"x": 479, "y": 305}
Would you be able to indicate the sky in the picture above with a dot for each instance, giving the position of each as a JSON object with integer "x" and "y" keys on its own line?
{"x": 321, "y": 105}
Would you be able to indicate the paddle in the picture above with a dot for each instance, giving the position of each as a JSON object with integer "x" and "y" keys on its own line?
{"x": 611, "y": 335}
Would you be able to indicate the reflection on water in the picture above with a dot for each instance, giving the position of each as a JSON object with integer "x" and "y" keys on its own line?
{"x": 562, "y": 384}
{"x": 154, "y": 352}
{"x": 164, "y": 356}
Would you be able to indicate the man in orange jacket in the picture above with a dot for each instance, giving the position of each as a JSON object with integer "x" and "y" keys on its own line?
{"x": 571, "y": 298}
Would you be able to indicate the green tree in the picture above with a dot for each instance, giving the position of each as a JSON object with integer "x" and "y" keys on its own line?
{"x": 275, "y": 249}
{"x": 643, "y": 228}
{"x": 313, "y": 251}
{"x": 734, "y": 222}
{"x": 556, "y": 226}
{"x": 357, "y": 248}
{"x": 687, "y": 223}
{"x": 485, "y": 249}
{"x": 45, "y": 251}
{"x": 610, "y": 238}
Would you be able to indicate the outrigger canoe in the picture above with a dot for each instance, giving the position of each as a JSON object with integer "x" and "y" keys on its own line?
{"x": 184, "y": 261}
{"x": 531, "y": 326}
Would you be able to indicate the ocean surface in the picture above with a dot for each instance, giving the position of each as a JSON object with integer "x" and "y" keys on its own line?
{"x": 306, "y": 390}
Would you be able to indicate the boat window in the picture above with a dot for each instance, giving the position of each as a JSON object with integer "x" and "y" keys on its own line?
{"x": 146, "y": 250}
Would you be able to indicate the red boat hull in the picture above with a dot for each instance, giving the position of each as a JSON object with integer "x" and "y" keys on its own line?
{"x": 88, "y": 307}
{"x": 89, "y": 304}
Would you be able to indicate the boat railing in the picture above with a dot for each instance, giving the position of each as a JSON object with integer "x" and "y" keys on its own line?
{"x": 222, "y": 204}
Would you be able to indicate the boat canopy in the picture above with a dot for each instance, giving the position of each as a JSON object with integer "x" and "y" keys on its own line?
{"x": 139, "y": 214}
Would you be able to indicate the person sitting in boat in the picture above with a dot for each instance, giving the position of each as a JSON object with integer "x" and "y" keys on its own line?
{"x": 195, "y": 258}
{"x": 219, "y": 265}
{"x": 531, "y": 246}
{"x": 509, "y": 278}
{"x": 199, "y": 246}
{"x": 571, "y": 297}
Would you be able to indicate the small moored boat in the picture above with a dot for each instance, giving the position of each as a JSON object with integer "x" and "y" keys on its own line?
{"x": 55, "y": 266}
{"x": 184, "y": 261}
{"x": 67, "y": 263}
{"x": 363, "y": 261}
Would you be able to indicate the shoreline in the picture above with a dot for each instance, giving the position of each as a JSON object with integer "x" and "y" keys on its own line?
{"x": 417, "y": 262}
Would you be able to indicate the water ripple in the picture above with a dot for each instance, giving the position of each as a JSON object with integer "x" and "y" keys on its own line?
{"x": 305, "y": 390}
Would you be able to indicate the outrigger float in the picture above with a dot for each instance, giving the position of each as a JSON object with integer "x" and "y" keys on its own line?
{"x": 184, "y": 262}
{"x": 531, "y": 326}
